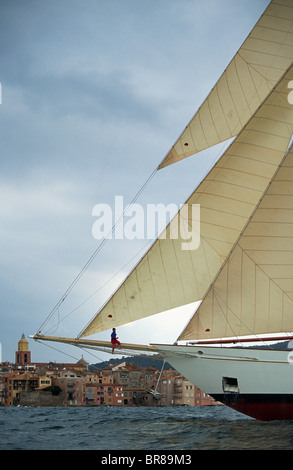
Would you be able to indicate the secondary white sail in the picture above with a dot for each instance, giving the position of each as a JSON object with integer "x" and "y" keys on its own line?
{"x": 168, "y": 276}
{"x": 255, "y": 69}
{"x": 253, "y": 293}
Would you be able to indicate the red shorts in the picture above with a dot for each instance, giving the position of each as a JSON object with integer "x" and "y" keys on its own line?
{"x": 115, "y": 341}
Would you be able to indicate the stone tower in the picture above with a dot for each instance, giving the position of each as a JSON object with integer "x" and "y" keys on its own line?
{"x": 22, "y": 355}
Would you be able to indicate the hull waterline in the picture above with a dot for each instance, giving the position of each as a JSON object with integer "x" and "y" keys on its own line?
{"x": 264, "y": 407}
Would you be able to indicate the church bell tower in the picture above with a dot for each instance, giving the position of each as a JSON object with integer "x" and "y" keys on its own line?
{"x": 22, "y": 355}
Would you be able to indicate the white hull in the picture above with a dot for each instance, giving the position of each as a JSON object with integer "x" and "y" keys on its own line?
{"x": 257, "y": 382}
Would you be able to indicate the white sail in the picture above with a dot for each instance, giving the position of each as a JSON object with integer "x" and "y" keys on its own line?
{"x": 168, "y": 276}
{"x": 255, "y": 69}
{"x": 253, "y": 293}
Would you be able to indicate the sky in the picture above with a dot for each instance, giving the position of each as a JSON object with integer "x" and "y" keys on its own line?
{"x": 94, "y": 94}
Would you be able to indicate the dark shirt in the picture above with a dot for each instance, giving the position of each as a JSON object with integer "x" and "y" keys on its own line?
{"x": 113, "y": 336}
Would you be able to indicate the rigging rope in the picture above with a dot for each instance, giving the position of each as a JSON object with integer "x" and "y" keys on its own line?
{"x": 98, "y": 249}
{"x": 66, "y": 354}
{"x": 55, "y": 326}
{"x": 154, "y": 392}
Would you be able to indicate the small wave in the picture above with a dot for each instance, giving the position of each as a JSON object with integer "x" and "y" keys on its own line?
{"x": 54, "y": 428}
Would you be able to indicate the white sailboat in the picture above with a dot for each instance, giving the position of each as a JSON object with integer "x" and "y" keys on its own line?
{"x": 242, "y": 270}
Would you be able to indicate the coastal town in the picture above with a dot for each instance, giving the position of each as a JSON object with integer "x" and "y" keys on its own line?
{"x": 28, "y": 383}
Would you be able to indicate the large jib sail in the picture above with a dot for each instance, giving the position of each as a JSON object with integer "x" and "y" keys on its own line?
{"x": 168, "y": 276}
{"x": 252, "y": 73}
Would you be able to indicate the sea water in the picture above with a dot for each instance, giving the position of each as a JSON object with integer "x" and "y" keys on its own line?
{"x": 139, "y": 428}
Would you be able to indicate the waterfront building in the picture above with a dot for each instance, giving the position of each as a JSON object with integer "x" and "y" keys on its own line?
{"x": 17, "y": 383}
{"x": 73, "y": 385}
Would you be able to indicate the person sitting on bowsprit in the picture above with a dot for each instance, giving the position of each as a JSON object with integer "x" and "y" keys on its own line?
{"x": 114, "y": 340}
